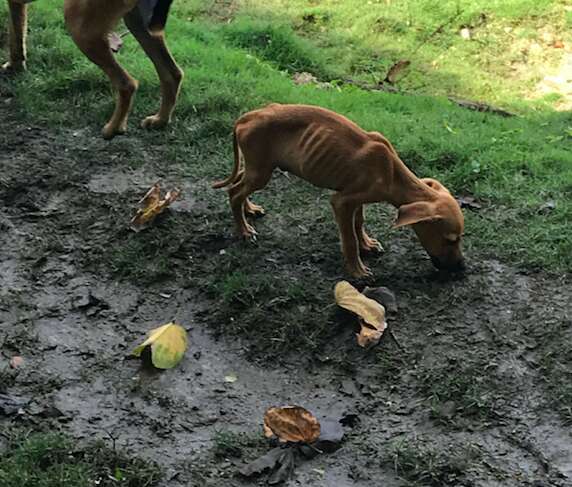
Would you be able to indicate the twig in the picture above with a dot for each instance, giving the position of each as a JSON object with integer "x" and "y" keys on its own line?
{"x": 392, "y": 335}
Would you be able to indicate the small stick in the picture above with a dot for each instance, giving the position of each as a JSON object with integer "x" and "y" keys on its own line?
{"x": 392, "y": 335}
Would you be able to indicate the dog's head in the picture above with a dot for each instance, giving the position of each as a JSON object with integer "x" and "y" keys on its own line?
{"x": 439, "y": 225}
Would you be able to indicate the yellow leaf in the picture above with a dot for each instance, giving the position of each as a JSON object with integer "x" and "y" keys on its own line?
{"x": 152, "y": 205}
{"x": 291, "y": 424}
{"x": 370, "y": 312}
{"x": 168, "y": 344}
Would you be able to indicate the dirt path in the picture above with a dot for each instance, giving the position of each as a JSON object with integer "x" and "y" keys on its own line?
{"x": 65, "y": 193}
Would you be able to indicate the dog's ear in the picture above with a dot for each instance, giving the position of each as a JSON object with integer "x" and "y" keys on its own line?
{"x": 417, "y": 212}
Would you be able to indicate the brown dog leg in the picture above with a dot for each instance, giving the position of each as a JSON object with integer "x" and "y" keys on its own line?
{"x": 256, "y": 176}
{"x": 17, "y": 27}
{"x": 345, "y": 207}
{"x": 366, "y": 243}
{"x": 89, "y": 27}
{"x": 169, "y": 73}
{"x": 250, "y": 208}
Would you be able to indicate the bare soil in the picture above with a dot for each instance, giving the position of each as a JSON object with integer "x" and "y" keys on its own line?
{"x": 475, "y": 387}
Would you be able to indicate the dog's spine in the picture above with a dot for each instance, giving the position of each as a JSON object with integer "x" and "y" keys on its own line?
{"x": 160, "y": 14}
{"x": 236, "y": 168}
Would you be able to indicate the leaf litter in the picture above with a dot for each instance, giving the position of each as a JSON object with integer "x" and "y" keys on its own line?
{"x": 168, "y": 344}
{"x": 370, "y": 313}
{"x": 300, "y": 435}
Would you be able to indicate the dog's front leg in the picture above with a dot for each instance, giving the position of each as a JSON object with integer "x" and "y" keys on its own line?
{"x": 17, "y": 27}
{"x": 344, "y": 210}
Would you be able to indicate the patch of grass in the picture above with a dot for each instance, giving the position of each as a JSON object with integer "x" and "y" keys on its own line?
{"x": 53, "y": 460}
{"x": 423, "y": 463}
{"x": 514, "y": 166}
{"x": 507, "y": 52}
{"x": 228, "y": 444}
{"x": 277, "y": 45}
{"x": 461, "y": 391}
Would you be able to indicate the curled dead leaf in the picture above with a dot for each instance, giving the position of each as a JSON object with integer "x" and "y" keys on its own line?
{"x": 168, "y": 344}
{"x": 368, "y": 336}
{"x": 370, "y": 312}
{"x": 291, "y": 424}
{"x": 152, "y": 205}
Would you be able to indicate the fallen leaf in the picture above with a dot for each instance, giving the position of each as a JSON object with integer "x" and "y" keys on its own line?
{"x": 469, "y": 202}
{"x": 152, "y": 205}
{"x": 465, "y": 33}
{"x": 547, "y": 207}
{"x": 370, "y": 312}
{"x": 115, "y": 41}
{"x": 10, "y": 405}
{"x": 265, "y": 462}
{"x": 168, "y": 344}
{"x": 383, "y": 296}
{"x": 396, "y": 70}
{"x": 367, "y": 337}
{"x": 286, "y": 469}
{"x": 331, "y": 435}
{"x": 16, "y": 362}
{"x": 230, "y": 378}
{"x": 291, "y": 424}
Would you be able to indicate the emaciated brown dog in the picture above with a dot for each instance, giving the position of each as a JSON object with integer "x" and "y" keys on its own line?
{"x": 362, "y": 167}
{"x": 90, "y": 22}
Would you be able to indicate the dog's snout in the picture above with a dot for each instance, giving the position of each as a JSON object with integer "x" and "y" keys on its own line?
{"x": 456, "y": 266}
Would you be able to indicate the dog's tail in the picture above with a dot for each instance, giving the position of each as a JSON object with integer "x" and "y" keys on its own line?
{"x": 160, "y": 14}
{"x": 235, "y": 170}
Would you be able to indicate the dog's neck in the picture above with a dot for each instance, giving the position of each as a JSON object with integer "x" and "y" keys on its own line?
{"x": 406, "y": 187}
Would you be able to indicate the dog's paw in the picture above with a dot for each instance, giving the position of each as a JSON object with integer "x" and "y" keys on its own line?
{"x": 253, "y": 209}
{"x": 154, "y": 122}
{"x": 360, "y": 272}
{"x": 248, "y": 233}
{"x": 371, "y": 245}
{"x": 110, "y": 130}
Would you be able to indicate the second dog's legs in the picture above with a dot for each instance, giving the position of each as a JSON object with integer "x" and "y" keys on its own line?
{"x": 89, "y": 24}
{"x": 169, "y": 73}
{"x": 366, "y": 243}
{"x": 17, "y": 26}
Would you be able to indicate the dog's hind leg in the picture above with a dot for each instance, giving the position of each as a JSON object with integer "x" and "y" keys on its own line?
{"x": 366, "y": 243}
{"x": 256, "y": 176}
{"x": 17, "y": 26}
{"x": 89, "y": 24}
{"x": 170, "y": 75}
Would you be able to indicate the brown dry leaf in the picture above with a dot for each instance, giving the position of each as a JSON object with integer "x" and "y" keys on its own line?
{"x": 396, "y": 70}
{"x": 291, "y": 424}
{"x": 152, "y": 205}
{"x": 369, "y": 336}
{"x": 370, "y": 312}
{"x": 115, "y": 41}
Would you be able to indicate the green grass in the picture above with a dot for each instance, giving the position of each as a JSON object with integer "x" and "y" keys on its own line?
{"x": 460, "y": 392}
{"x": 514, "y": 166}
{"x": 423, "y": 463}
{"x": 53, "y": 460}
{"x": 228, "y": 444}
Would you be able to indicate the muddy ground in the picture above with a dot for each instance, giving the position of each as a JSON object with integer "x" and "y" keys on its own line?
{"x": 477, "y": 396}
